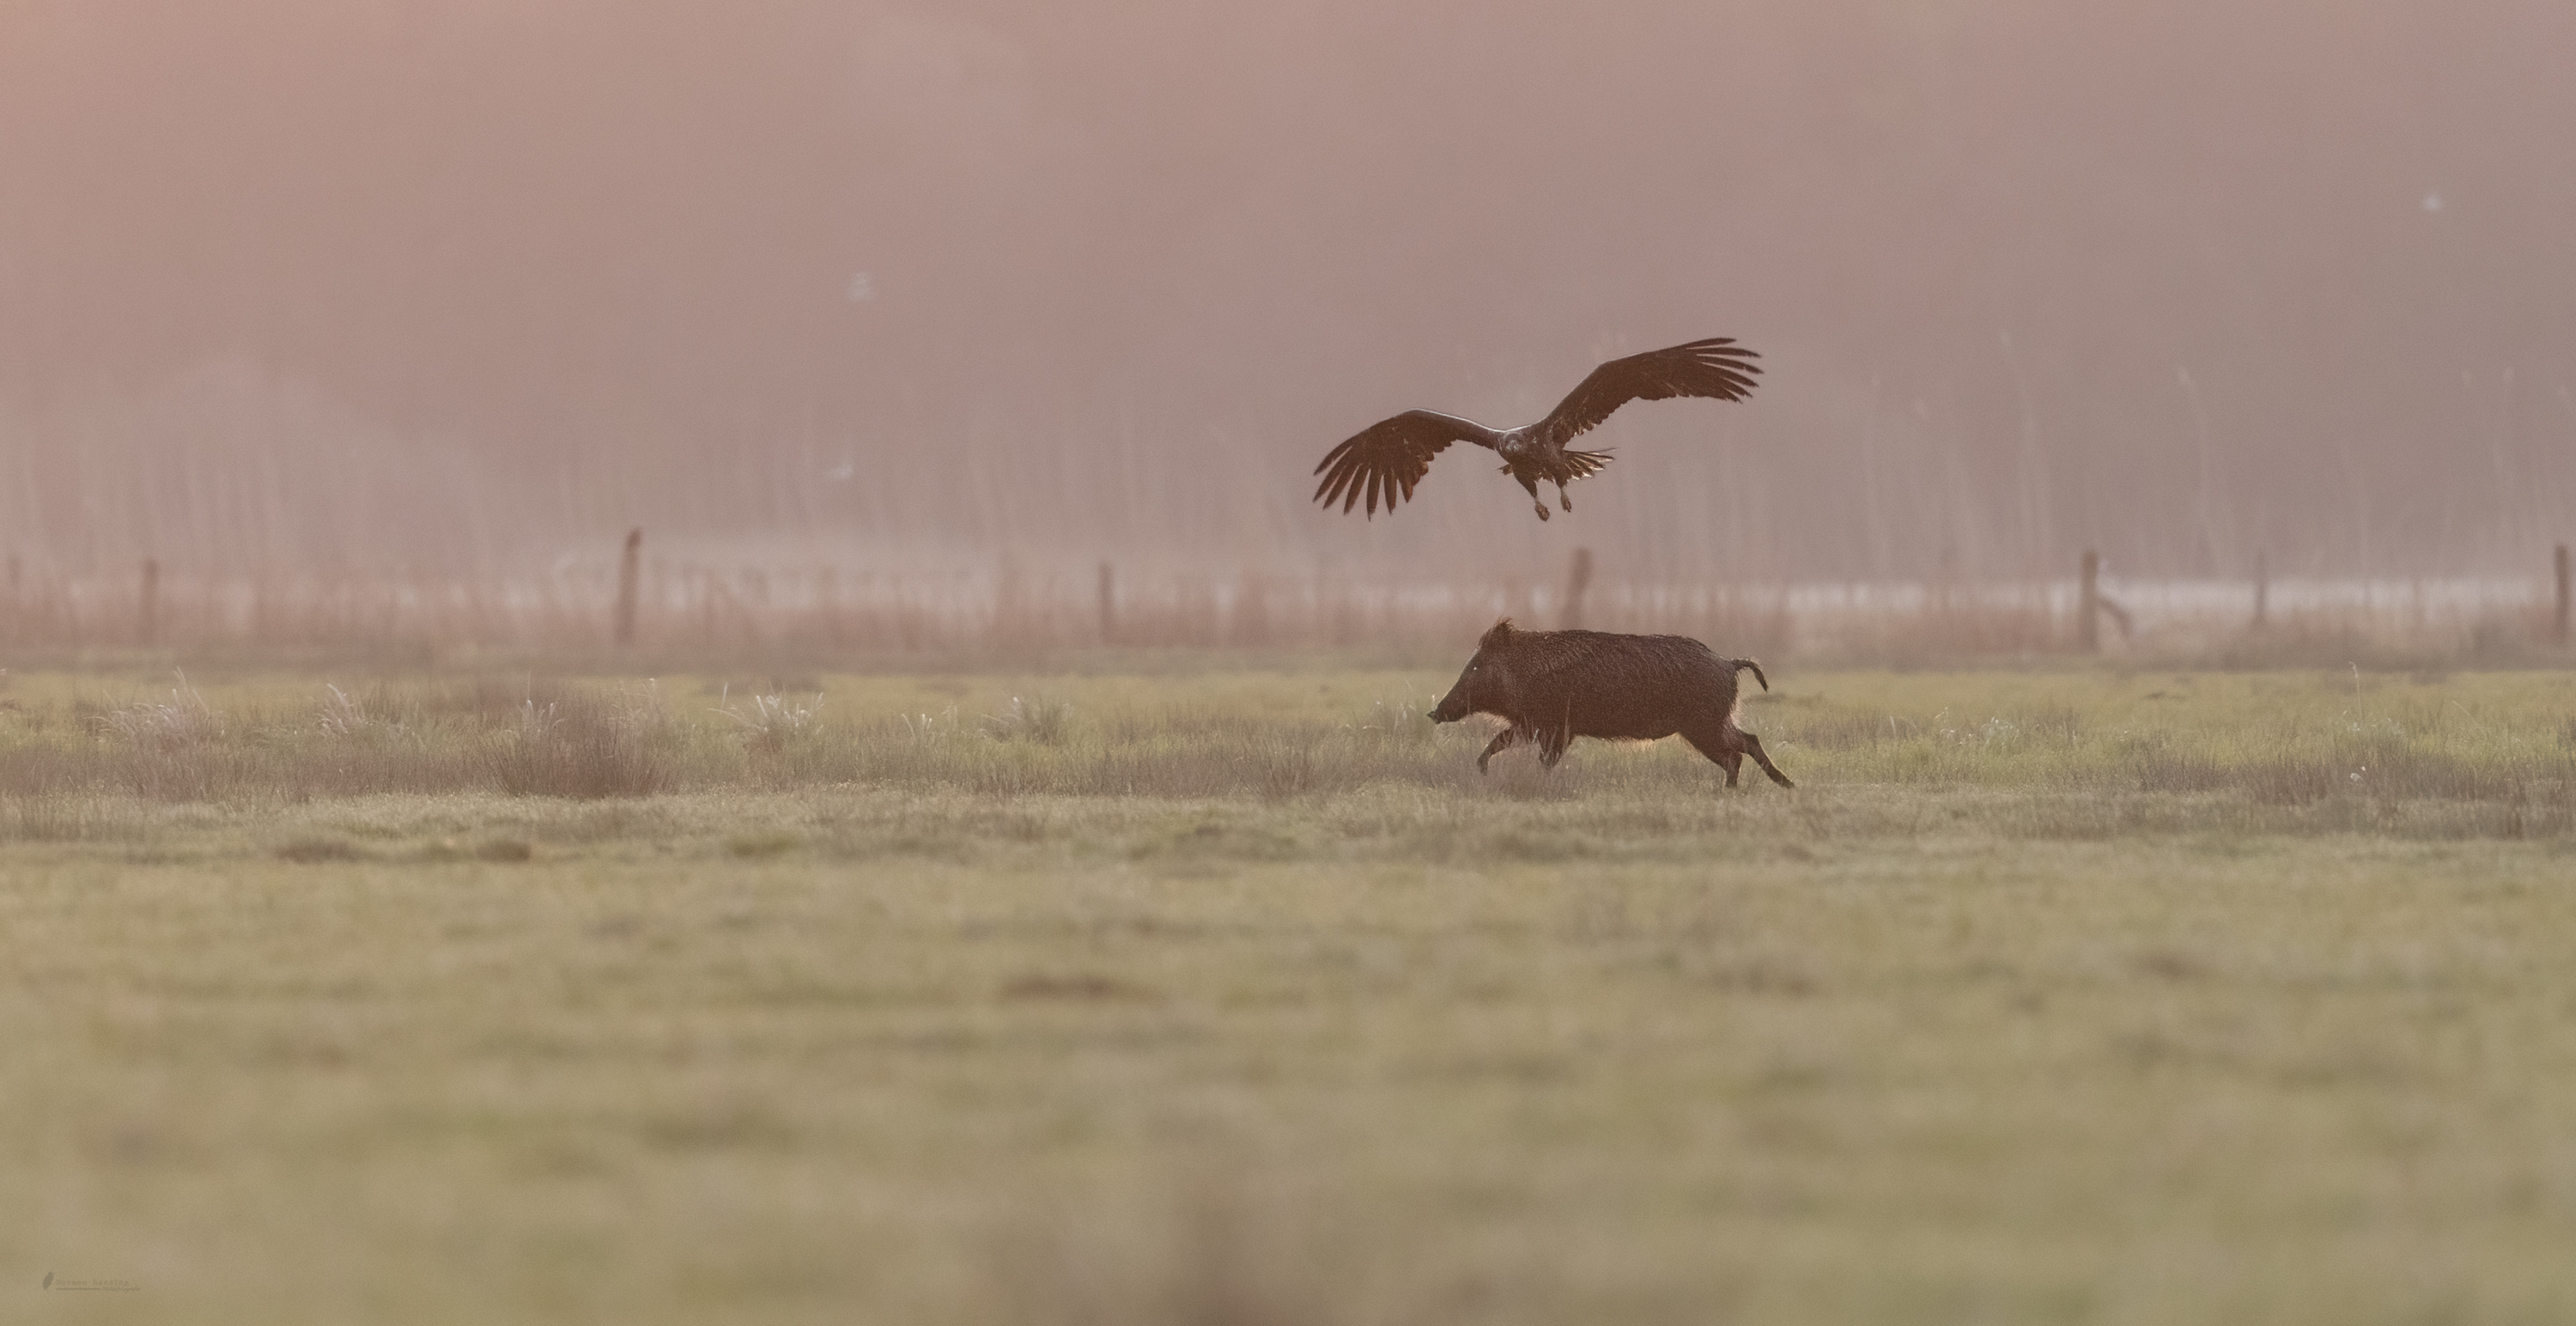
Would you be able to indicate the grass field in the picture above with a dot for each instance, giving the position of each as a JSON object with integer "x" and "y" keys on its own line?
{"x": 1236, "y": 996}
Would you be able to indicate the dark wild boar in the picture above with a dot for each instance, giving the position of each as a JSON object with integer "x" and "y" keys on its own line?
{"x": 1554, "y": 686}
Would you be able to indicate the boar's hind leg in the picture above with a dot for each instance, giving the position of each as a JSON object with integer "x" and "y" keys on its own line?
{"x": 1727, "y": 757}
{"x": 1753, "y": 747}
{"x": 1728, "y": 746}
{"x": 1502, "y": 741}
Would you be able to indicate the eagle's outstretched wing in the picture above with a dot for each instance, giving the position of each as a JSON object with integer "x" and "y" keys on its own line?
{"x": 1716, "y": 367}
{"x": 1390, "y": 456}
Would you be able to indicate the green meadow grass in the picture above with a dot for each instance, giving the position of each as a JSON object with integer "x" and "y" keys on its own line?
{"x": 2470, "y": 754}
{"x": 1240, "y": 997}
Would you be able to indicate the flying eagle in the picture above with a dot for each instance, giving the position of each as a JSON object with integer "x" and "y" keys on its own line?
{"x": 1392, "y": 455}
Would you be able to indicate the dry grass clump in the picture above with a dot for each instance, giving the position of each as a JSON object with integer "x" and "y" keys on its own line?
{"x": 1041, "y": 720}
{"x": 770, "y": 722}
{"x": 181, "y": 722}
{"x": 586, "y": 744}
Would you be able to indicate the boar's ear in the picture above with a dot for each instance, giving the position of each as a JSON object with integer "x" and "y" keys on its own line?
{"x": 1498, "y": 637}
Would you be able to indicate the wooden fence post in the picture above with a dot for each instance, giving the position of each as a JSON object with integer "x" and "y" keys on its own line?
{"x": 1578, "y": 578}
{"x": 1108, "y": 604}
{"x": 629, "y": 567}
{"x": 2262, "y": 589}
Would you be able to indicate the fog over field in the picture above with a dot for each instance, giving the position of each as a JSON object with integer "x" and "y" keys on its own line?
{"x": 468, "y": 284}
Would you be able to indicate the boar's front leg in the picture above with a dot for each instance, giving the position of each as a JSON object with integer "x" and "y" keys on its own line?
{"x": 1502, "y": 741}
{"x": 1552, "y": 744}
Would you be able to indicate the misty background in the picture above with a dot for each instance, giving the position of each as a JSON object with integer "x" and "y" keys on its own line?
{"x": 478, "y": 284}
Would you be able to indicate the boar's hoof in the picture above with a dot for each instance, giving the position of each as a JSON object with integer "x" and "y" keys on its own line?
{"x": 1542, "y": 510}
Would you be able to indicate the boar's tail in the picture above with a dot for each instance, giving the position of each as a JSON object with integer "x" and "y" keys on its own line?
{"x": 1742, "y": 663}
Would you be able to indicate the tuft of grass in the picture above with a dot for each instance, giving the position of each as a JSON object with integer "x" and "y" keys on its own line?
{"x": 1036, "y": 719}
{"x": 181, "y": 723}
{"x": 770, "y": 722}
{"x": 585, "y": 745}
{"x": 342, "y": 717}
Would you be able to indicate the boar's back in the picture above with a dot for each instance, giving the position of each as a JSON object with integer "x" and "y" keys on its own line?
{"x": 1601, "y": 684}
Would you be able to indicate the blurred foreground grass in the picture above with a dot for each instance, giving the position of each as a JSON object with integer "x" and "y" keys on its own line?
{"x": 2047, "y": 997}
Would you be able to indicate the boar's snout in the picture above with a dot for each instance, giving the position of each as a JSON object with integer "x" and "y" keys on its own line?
{"x": 1472, "y": 691}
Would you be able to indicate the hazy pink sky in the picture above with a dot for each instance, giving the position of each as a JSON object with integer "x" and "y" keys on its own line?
{"x": 325, "y": 279}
